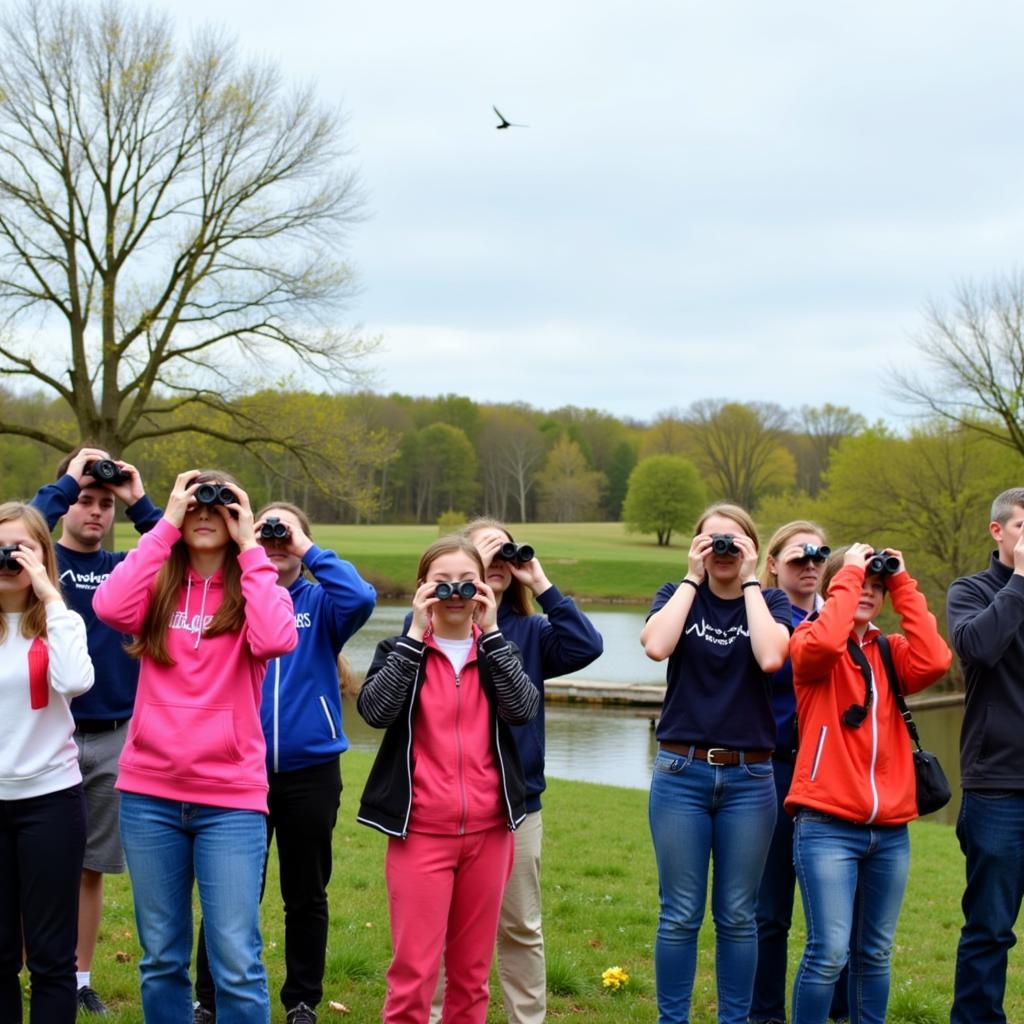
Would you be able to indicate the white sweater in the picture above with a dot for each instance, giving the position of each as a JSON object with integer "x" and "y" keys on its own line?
{"x": 37, "y": 751}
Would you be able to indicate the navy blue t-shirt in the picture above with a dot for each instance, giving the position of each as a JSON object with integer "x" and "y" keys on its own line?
{"x": 717, "y": 695}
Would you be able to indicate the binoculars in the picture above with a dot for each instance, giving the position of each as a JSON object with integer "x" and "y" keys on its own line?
{"x": 215, "y": 494}
{"x": 814, "y": 554}
{"x": 274, "y": 529}
{"x": 106, "y": 471}
{"x": 7, "y": 559}
{"x": 519, "y": 553}
{"x": 722, "y": 544}
{"x": 465, "y": 589}
{"x": 882, "y": 564}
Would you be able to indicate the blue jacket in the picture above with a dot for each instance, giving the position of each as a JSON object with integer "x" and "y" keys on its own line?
{"x": 301, "y": 706}
{"x": 560, "y": 641}
{"x": 117, "y": 674}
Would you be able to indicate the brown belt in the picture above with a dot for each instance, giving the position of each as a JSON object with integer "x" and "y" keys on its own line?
{"x": 718, "y": 756}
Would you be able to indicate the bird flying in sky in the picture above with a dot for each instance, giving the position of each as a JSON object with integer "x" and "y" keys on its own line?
{"x": 505, "y": 123}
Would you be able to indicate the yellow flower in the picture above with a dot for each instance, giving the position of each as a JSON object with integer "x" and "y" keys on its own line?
{"x": 614, "y": 978}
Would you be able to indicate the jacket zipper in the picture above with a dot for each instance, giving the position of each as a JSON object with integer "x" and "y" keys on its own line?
{"x": 460, "y": 761}
{"x": 277, "y": 714}
{"x": 327, "y": 715}
{"x": 874, "y": 749}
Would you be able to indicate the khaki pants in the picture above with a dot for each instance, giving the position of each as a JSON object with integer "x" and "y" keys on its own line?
{"x": 520, "y": 942}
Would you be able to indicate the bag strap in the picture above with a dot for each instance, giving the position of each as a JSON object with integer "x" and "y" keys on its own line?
{"x": 894, "y": 684}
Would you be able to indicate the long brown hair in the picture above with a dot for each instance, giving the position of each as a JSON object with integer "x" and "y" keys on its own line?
{"x": 780, "y": 538}
{"x": 33, "y": 619}
{"x": 229, "y": 617}
{"x": 517, "y": 594}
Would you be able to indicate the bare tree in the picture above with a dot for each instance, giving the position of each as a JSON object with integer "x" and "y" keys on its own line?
{"x": 975, "y": 350}
{"x": 175, "y": 210}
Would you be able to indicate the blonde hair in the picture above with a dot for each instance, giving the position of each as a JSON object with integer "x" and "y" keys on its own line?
{"x": 780, "y": 538}
{"x": 33, "y": 619}
{"x": 517, "y": 594}
{"x": 738, "y": 515}
{"x": 446, "y": 546}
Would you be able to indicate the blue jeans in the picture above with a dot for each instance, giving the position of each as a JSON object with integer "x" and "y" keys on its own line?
{"x": 698, "y": 811}
{"x": 775, "y": 916}
{"x": 852, "y": 879}
{"x": 991, "y": 833}
{"x": 168, "y": 845}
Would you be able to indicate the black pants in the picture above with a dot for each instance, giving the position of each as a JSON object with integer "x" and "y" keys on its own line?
{"x": 42, "y": 843}
{"x": 303, "y": 811}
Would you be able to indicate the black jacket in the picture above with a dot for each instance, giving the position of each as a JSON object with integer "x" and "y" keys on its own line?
{"x": 388, "y": 700}
{"x": 986, "y": 629}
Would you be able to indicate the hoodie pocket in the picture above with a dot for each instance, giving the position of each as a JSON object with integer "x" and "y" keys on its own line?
{"x": 183, "y": 739}
{"x": 818, "y": 751}
{"x": 325, "y": 708}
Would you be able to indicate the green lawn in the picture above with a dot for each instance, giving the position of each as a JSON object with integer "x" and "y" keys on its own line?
{"x": 600, "y": 910}
{"x": 597, "y": 561}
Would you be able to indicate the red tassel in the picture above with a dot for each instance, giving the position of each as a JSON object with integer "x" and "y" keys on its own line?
{"x": 39, "y": 673}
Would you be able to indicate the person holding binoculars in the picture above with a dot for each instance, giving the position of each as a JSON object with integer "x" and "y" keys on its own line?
{"x": 854, "y": 786}
{"x": 446, "y": 786}
{"x": 794, "y": 563}
{"x": 200, "y": 596}
{"x": 44, "y": 663}
{"x": 712, "y": 793}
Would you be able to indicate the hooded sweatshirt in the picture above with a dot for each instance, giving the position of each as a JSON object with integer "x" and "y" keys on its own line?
{"x": 865, "y": 774}
{"x": 195, "y": 735}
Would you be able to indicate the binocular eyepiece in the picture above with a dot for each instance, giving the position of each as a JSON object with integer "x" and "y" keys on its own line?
{"x": 814, "y": 553}
{"x": 107, "y": 471}
{"x": 882, "y": 564}
{"x": 465, "y": 590}
{"x": 274, "y": 529}
{"x": 723, "y": 544}
{"x": 518, "y": 553}
{"x": 215, "y": 494}
{"x": 7, "y": 559}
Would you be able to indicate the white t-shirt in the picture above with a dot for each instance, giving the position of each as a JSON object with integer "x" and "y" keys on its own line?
{"x": 456, "y": 651}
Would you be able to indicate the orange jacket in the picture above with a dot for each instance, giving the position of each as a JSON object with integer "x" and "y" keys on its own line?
{"x": 864, "y": 775}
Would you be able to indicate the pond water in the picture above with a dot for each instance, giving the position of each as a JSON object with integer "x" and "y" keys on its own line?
{"x": 616, "y": 746}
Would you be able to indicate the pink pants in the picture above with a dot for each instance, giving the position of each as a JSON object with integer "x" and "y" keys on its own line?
{"x": 444, "y": 897}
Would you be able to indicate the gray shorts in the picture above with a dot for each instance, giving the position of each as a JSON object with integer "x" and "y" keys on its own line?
{"x": 98, "y": 753}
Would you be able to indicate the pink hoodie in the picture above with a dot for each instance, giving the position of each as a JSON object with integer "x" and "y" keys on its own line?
{"x": 195, "y": 735}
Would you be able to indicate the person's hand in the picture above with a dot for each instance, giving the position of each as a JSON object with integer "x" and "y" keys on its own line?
{"x": 858, "y": 554}
{"x": 748, "y": 557}
{"x": 32, "y": 564}
{"x": 488, "y": 542}
{"x": 76, "y": 467}
{"x": 181, "y": 498}
{"x": 898, "y": 555}
{"x": 1018, "y": 554}
{"x": 485, "y": 615}
{"x": 532, "y": 574}
{"x": 131, "y": 490}
{"x": 241, "y": 528}
{"x": 296, "y": 543}
{"x": 700, "y": 548}
{"x": 422, "y": 601}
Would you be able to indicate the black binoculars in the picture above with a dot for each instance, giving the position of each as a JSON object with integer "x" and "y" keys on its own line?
{"x": 882, "y": 564}
{"x": 519, "y": 553}
{"x": 215, "y": 494}
{"x": 814, "y": 554}
{"x": 274, "y": 529}
{"x": 465, "y": 589}
{"x": 7, "y": 559}
{"x": 722, "y": 544}
{"x": 106, "y": 471}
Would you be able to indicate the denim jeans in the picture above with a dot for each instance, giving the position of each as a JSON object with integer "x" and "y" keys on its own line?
{"x": 852, "y": 878}
{"x": 698, "y": 811}
{"x": 775, "y": 916}
{"x": 991, "y": 833}
{"x": 168, "y": 845}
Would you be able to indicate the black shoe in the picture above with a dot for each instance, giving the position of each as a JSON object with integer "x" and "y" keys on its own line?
{"x": 201, "y": 1015}
{"x": 90, "y": 1002}
{"x": 301, "y": 1014}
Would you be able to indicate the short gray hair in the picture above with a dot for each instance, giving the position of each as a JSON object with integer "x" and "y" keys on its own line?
{"x": 1002, "y": 507}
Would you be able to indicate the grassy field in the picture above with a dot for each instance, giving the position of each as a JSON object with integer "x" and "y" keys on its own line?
{"x": 600, "y": 910}
{"x": 597, "y": 561}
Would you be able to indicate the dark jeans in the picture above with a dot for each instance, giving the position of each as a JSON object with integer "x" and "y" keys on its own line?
{"x": 303, "y": 811}
{"x": 775, "y": 915}
{"x": 42, "y": 843}
{"x": 991, "y": 833}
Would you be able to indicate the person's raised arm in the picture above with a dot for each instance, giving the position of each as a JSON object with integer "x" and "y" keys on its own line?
{"x": 663, "y": 628}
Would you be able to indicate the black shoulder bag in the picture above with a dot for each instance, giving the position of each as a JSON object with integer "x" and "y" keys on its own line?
{"x": 933, "y": 789}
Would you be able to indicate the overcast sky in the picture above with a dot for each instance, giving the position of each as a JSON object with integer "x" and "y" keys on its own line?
{"x": 719, "y": 199}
